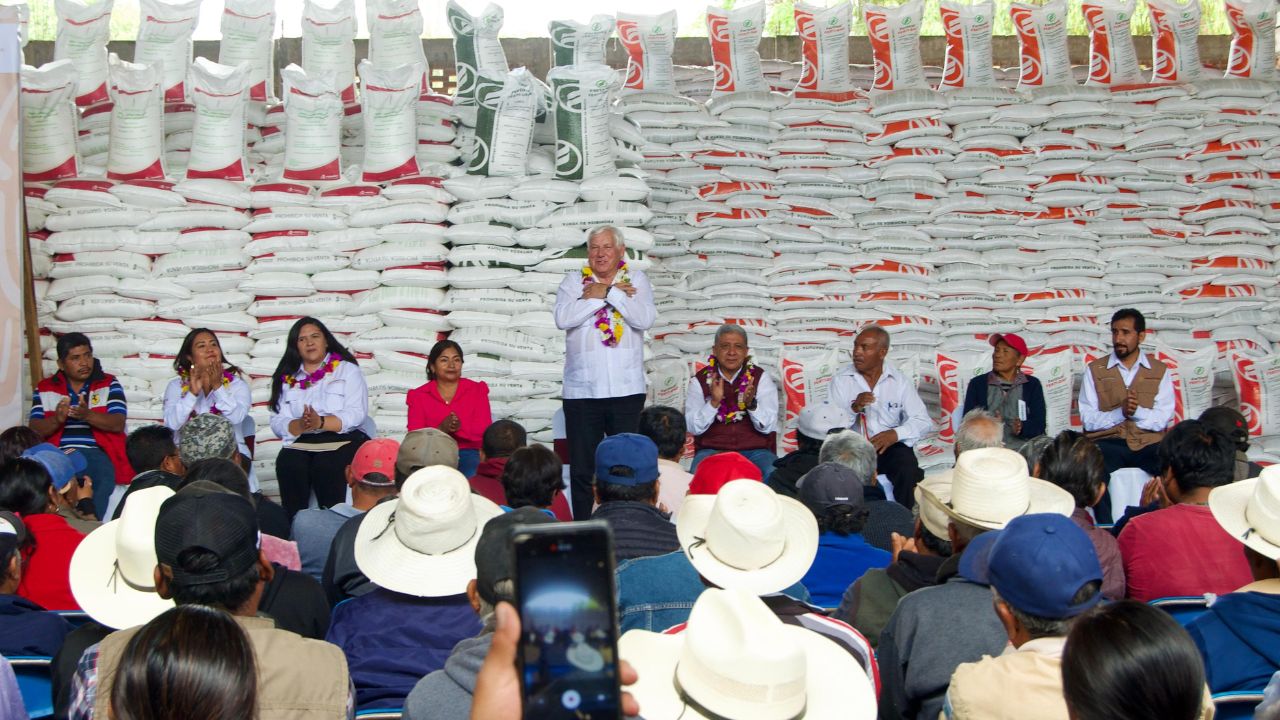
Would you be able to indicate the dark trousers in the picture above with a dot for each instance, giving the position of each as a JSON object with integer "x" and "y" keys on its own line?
{"x": 586, "y": 422}
{"x": 299, "y": 472}
{"x": 1116, "y": 454}
{"x": 898, "y": 463}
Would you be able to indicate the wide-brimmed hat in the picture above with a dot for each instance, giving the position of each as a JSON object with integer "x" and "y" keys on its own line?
{"x": 932, "y": 516}
{"x": 747, "y": 536}
{"x": 736, "y": 659}
{"x": 821, "y": 419}
{"x": 1250, "y": 511}
{"x": 991, "y": 486}
{"x": 424, "y": 542}
{"x": 113, "y": 569}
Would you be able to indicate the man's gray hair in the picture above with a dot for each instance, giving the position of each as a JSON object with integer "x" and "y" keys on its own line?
{"x": 505, "y": 589}
{"x": 878, "y": 332}
{"x": 979, "y": 429}
{"x": 613, "y": 231}
{"x": 851, "y": 450}
{"x": 731, "y": 329}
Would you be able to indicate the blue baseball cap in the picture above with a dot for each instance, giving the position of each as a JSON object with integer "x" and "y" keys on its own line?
{"x": 627, "y": 451}
{"x": 63, "y": 466}
{"x": 1037, "y": 563}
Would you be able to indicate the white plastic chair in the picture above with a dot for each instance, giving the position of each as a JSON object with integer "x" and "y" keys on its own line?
{"x": 1126, "y": 489}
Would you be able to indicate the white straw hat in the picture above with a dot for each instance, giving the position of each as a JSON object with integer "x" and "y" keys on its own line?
{"x": 747, "y": 536}
{"x": 423, "y": 543}
{"x": 932, "y": 516}
{"x": 991, "y": 486}
{"x": 113, "y": 569}
{"x": 1250, "y": 511}
{"x": 736, "y": 659}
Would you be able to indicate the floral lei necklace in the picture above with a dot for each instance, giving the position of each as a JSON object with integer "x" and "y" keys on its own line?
{"x": 330, "y": 364}
{"x": 608, "y": 320}
{"x": 227, "y": 377}
{"x": 727, "y": 412}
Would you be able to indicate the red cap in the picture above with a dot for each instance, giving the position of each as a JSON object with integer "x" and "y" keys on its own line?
{"x": 376, "y": 456}
{"x": 720, "y": 469}
{"x": 1012, "y": 340}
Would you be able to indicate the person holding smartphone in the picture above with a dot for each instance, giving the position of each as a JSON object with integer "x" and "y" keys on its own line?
{"x": 456, "y": 405}
{"x": 320, "y": 411}
{"x": 82, "y": 407}
{"x": 1008, "y": 393}
{"x": 207, "y": 383}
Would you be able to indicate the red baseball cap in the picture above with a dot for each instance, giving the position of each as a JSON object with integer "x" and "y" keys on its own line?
{"x": 719, "y": 469}
{"x": 1012, "y": 340}
{"x": 376, "y": 456}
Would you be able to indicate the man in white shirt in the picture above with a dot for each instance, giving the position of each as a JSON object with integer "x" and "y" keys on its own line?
{"x": 732, "y": 405}
{"x": 886, "y": 410}
{"x": 1126, "y": 402}
{"x": 604, "y": 310}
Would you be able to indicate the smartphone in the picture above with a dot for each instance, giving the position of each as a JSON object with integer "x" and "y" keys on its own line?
{"x": 564, "y": 591}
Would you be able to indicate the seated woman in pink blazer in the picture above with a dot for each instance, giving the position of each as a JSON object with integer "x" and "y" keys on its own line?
{"x": 456, "y": 405}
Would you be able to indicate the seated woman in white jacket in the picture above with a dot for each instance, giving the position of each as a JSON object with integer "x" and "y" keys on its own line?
{"x": 208, "y": 383}
{"x": 320, "y": 411}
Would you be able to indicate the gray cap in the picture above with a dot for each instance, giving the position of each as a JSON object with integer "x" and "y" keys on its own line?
{"x": 830, "y": 484}
{"x": 426, "y": 447}
{"x": 207, "y": 436}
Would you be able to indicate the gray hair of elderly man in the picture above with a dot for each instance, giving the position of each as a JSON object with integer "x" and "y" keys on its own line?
{"x": 612, "y": 230}
{"x": 979, "y": 429}
{"x": 853, "y": 451}
{"x": 731, "y": 329}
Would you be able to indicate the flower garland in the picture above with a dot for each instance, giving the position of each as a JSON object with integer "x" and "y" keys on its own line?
{"x": 727, "y": 413}
{"x": 331, "y": 362}
{"x": 227, "y": 377}
{"x": 608, "y": 320}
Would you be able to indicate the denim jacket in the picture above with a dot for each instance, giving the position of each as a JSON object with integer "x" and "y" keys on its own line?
{"x": 655, "y": 593}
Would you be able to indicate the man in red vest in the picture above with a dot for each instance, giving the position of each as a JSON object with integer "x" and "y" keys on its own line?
{"x": 84, "y": 408}
{"x": 732, "y": 405}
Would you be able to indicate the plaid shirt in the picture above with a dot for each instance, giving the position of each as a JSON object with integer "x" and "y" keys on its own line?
{"x": 84, "y": 688}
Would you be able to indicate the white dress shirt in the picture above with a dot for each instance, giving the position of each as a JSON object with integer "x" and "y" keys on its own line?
{"x": 897, "y": 406}
{"x": 699, "y": 413}
{"x": 591, "y": 368}
{"x": 233, "y": 402}
{"x": 1153, "y": 419}
{"x": 341, "y": 393}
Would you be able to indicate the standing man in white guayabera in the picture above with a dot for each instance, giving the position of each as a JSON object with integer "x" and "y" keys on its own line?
{"x": 886, "y": 410}
{"x": 604, "y": 310}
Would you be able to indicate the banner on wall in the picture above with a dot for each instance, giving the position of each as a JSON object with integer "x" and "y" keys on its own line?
{"x": 11, "y": 392}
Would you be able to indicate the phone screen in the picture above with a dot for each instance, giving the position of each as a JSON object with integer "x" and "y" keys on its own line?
{"x": 568, "y": 650}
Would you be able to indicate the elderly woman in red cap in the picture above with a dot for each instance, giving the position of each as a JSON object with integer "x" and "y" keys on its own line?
{"x": 1008, "y": 393}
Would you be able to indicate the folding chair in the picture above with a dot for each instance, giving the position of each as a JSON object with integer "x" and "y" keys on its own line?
{"x": 35, "y": 681}
{"x": 1183, "y": 609}
{"x": 1237, "y": 705}
{"x": 378, "y": 714}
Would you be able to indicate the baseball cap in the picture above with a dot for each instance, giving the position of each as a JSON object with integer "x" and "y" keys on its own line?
{"x": 830, "y": 484}
{"x": 1229, "y": 421}
{"x": 627, "y": 450}
{"x": 1013, "y": 340}
{"x": 206, "y": 436}
{"x": 63, "y": 466}
{"x": 493, "y": 553}
{"x": 1037, "y": 563}
{"x": 206, "y": 516}
{"x": 376, "y": 456}
{"x": 425, "y": 447}
{"x": 12, "y": 533}
{"x": 715, "y": 471}
{"x": 819, "y": 420}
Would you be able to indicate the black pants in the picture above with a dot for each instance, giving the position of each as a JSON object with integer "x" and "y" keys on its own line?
{"x": 1116, "y": 454}
{"x": 898, "y": 463}
{"x": 586, "y": 423}
{"x": 299, "y": 472}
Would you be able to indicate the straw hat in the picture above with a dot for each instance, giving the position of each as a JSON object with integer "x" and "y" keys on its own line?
{"x": 1250, "y": 511}
{"x": 991, "y": 486}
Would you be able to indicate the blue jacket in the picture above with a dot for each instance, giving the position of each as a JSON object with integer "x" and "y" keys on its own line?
{"x": 655, "y": 593}
{"x": 840, "y": 561}
{"x": 392, "y": 640}
{"x": 1239, "y": 638}
{"x": 28, "y": 629}
{"x": 975, "y": 396}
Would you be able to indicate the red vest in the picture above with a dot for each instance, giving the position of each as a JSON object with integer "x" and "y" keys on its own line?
{"x": 111, "y": 443}
{"x": 735, "y": 436}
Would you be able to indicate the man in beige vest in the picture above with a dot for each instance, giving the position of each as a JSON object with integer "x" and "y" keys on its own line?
{"x": 207, "y": 548}
{"x": 1126, "y": 402}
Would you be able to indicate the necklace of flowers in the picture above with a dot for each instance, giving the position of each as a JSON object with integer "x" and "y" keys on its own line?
{"x": 608, "y": 320}
{"x": 330, "y": 364}
{"x": 227, "y": 377}
{"x": 727, "y": 412}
